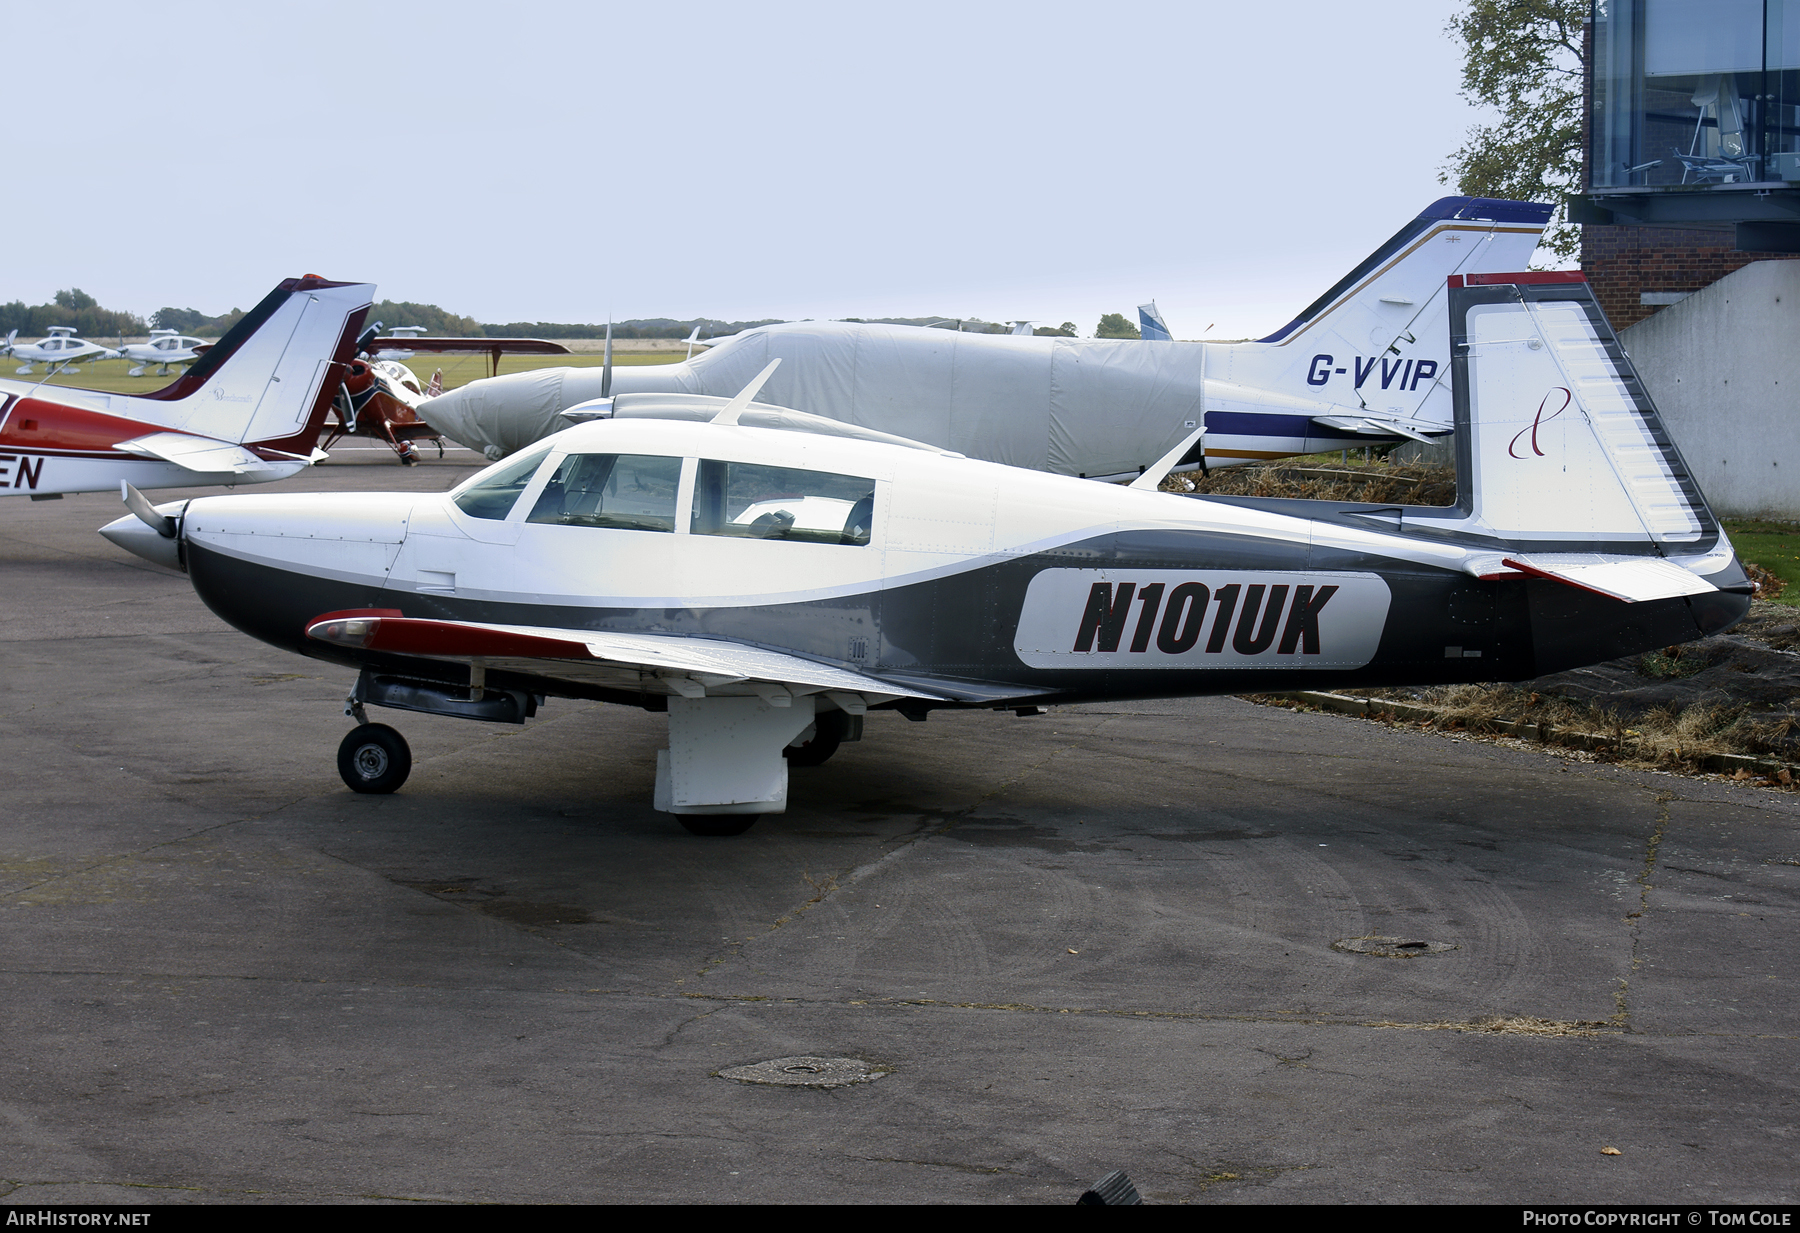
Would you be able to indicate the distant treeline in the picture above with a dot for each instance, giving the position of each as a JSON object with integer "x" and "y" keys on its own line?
{"x": 78, "y": 309}
{"x": 972, "y": 325}
{"x": 193, "y": 321}
{"x": 644, "y": 327}
{"x": 73, "y": 307}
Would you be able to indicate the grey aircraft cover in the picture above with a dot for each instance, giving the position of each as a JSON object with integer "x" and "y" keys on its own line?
{"x": 1096, "y": 407}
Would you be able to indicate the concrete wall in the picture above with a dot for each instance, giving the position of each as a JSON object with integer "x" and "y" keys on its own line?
{"x": 1723, "y": 367}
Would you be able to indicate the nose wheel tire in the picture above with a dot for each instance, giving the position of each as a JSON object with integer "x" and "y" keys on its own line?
{"x": 374, "y": 758}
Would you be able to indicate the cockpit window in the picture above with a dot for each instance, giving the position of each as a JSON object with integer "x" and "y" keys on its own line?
{"x": 756, "y": 502}
{"x": 627, "y": 492}
{"x": 492, "y": 493}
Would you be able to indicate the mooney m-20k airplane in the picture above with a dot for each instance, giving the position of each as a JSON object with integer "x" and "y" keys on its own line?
{"x": 248, "y": 411}
{"x": 768, "y": 577}
{"x": 1365, "y": 364}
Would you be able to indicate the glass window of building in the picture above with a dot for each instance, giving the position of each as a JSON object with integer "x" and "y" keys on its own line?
{"x": 626, "y": 492}
{"x": 1696, "y": 93}
{"x": 746, "y": 501}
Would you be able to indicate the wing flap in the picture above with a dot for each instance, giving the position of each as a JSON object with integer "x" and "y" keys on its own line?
{"x": 690, "y": 667}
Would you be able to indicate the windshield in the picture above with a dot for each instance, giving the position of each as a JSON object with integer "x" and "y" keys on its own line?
{"x": 492, "y": 493}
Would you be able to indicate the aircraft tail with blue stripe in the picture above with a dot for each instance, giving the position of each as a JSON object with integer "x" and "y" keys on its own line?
{"x": 1368, "y": 361}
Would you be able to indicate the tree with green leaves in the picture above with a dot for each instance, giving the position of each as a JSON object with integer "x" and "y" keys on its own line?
{"x": 1522, "y": 59}
{"x": 72, "y": 307}
{"x": 1114, "y": 325}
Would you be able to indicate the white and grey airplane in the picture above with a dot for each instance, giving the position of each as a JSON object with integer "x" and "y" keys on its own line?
{"x": 768, "y": 577}
{"x": 1363, "y": 364}
{"x": 165, "y": 347}
{"x": 58, "y": 352}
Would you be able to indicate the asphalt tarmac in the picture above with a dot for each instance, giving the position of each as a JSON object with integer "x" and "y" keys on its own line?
{"x": 1099, "y": 938}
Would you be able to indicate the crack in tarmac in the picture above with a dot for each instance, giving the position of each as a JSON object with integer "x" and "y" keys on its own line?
{"x": 1652, "y": 848}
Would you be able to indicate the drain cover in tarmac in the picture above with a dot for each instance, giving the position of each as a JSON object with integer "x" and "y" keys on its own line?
{"x": 806, "y": 1072}
{"x": 1392, "y": 948}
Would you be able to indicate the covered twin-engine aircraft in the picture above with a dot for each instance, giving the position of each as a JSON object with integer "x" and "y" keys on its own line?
{"x": 248, "y": 411}
{"x": 767, "y": 577}
{"x": 1364, "y": 364}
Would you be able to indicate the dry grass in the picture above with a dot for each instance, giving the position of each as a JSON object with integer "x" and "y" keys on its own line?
{"x": 1672, "y": 738}
{"x": 1322, "y": 477}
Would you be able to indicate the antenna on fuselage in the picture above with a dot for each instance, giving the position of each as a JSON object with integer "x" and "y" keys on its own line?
{"x": 728, "y": 414}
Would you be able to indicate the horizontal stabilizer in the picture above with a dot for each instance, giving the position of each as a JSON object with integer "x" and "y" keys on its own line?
{"x": 689, "y": 667}
{"x": 1382, "y": 426}
{"x": 201, "y": 454}
{"x": 1631, "y": 579}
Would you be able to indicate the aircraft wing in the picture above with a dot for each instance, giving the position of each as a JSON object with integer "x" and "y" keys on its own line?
{"x": 1628, "y": 579}
{"x": 1383, "y": 425}
{"x": 663, "y": 663}
{"x": 205, "y": 455}
{"x": 509, "y": 346}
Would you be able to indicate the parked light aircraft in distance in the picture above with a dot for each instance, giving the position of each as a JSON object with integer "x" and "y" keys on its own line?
{"x": 768, "y": 577}
{"x": 396, "y": 349}
{"x": 165, "y": 347}
{"x": 246, "y": 412}
{"x": 58, "y": 351}
{"x": 1364, "y": 364}
{"x": 380, "y": 394}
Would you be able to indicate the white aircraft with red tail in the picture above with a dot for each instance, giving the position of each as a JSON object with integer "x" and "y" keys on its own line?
{"x": 247, "y": 412}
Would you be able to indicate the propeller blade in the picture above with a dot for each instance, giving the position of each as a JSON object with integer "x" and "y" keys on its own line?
{"x": 728, "y": 414}
{"x": 606, "y": 366}
{"x": 139, "y": 505}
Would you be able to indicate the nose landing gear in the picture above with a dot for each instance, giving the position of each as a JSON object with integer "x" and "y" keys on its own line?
{"x": 374, "y": 758}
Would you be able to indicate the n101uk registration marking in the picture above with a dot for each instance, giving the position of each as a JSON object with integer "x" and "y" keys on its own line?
{"x": 1140, "y": 618}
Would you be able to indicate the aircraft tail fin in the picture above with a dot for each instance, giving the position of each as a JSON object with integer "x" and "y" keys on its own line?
{"x": 1374, "y": 343}
{"x": 1560, "y": 446}
{"x": 1151, "y": 325}
{"x": 268, "y": 383}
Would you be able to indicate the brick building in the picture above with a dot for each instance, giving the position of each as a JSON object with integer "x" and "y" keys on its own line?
{"x": 1636, "y": 270}
{"x": 1693, "y": 147}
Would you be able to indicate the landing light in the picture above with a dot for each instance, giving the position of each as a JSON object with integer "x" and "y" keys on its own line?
{"x": 354, "y": 631}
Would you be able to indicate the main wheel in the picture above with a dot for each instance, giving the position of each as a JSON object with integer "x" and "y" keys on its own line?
{"x": 829, "y": 730}
{"x": 717, "y": 823}
{"x": 374, "y": 758}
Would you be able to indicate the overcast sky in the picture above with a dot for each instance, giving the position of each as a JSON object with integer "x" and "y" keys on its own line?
{"x": 564, "y": 162}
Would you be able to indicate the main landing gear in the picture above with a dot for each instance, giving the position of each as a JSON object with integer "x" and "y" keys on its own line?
{"x": 374, "y": 758}
{"x": 830, "y": 729}
{"x": 727, "y": 761}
